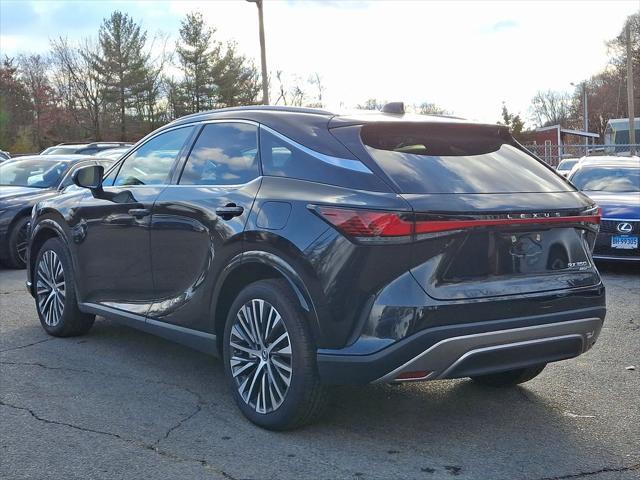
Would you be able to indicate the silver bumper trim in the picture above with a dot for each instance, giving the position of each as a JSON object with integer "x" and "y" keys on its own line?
{"x": 617, "y": 259}
{"x": 442, "y": 357}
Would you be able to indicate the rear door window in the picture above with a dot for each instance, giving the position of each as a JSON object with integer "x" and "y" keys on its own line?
{"x": 432, "y": 158}
{"x": 223, "y": 154}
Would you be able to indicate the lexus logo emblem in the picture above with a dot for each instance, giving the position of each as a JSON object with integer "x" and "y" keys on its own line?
{"x": 624, "y": 227}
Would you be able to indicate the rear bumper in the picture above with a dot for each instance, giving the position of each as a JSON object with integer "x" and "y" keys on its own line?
{"x": 502, "y": 350}
{"x": 470, "y": 349}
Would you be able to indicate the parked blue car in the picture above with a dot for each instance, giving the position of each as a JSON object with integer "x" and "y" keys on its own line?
{"x": 614, "y": 184}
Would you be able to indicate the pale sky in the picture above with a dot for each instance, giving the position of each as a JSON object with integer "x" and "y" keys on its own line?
{"x": 466, "y": 56}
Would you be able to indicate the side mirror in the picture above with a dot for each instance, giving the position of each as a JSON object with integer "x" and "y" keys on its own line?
{"x": 89, "y": 177}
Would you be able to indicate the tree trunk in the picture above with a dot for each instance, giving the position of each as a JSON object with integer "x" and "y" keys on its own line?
{"x": 122, "y": 114}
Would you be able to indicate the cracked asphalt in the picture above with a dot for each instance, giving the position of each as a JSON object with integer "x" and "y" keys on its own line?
{"x": 120, "y": 404}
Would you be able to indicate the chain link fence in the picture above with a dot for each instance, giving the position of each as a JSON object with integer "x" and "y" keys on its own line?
{"x": 553, "y": 154}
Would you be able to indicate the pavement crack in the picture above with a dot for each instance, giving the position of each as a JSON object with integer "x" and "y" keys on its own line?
{"x": 594, "y": 472}
{"x": 199, "y": 397}
{"x": 47, "y": 367}
{"x": 55, "y": 422}
{"x": 153, "y": 447}
{"x": 181, "y": 422}
{"x": 27, "y": 345}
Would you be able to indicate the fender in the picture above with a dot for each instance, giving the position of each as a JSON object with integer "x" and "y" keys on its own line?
{"x": 282, "y": 266}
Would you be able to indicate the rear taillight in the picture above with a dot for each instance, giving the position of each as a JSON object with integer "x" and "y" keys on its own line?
{"x": 372, "y": 225}
{"x": 369, "y": 224}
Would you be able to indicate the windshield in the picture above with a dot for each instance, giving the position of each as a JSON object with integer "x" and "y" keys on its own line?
{"x": 607, "y": 179}
{"x": 567, "y": 164}
{"x": 32, "y": 173}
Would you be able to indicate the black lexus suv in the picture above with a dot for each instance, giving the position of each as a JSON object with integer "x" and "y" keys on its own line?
{"x": 308, "y": 248}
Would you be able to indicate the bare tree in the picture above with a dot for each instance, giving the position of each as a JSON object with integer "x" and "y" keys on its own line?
{"x": 282, "y": 90}
{"x": 298, "y": 93}
{"x": 150, "y": 108}
{"x": 552, "y": 108}
{"x": 78, "y": 79}
{"x": 33, "y": 72}
{"x": 428, "y": 108}
{"x": 371, "y": 104}
{"x": 316, "y": 80}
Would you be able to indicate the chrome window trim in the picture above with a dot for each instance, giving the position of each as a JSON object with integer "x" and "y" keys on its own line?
{"x": 346, "y": 163}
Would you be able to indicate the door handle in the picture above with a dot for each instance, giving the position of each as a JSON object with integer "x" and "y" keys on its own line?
{"x": 139, "y": 212}
{"x": 229, "y": 211}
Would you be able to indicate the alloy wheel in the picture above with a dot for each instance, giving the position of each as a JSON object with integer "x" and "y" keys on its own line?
{"x": 260, "y": 356}
{"x": 50, "y": 288}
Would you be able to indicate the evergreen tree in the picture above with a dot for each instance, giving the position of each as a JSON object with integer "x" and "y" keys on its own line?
{"x": 122, "y": 63}
{"x": 16, "y": 109}
{"x": 236, "y": 79}
{"x": 514, "y": 122}
{"x": 198, "y": 53}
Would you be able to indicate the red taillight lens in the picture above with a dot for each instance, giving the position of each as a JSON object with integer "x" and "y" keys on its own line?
{"x": 431, "y": 226}
{"x": 367, "y": 223}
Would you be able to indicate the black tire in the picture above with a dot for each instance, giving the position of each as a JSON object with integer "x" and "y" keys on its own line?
{"x": 67, "y": 320}
{"x": 17, "y": 244}
{"x": 304, "y": 399}
{"x": 509, "y": 378}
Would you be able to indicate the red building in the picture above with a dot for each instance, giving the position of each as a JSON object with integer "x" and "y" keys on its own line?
{"x": 554, "y": 143}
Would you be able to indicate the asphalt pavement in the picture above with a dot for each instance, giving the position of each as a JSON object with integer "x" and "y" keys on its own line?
{"x": 120, "y": 404}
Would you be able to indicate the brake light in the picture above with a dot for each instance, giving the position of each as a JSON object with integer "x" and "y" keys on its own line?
{"x": 368, "y": 225}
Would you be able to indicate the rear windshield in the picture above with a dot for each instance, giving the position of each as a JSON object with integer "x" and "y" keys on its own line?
{"x": 431, "y": 158}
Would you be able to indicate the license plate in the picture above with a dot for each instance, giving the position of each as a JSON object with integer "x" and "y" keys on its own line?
{"x": 624, "y": 242}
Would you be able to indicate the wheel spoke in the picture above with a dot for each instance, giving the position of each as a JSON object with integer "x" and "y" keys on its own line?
{"x": 255, "y": 376}
{"x": 257, "y": 317}
{"x": 285, "y": 352}
{"x": 239, "y": 332}
{"x": 279, "y": 339}
{"x": 246, "y": 319}
{"x": 246, "y": 364}
{"x": 250, "y": 351}
{"x": 273, "y": 382}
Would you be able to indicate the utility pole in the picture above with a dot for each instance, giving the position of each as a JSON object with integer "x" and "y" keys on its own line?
{"x": 632, "y": 127}
{"x": 263, "y": 53}
{"x": 586, "y": 115}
